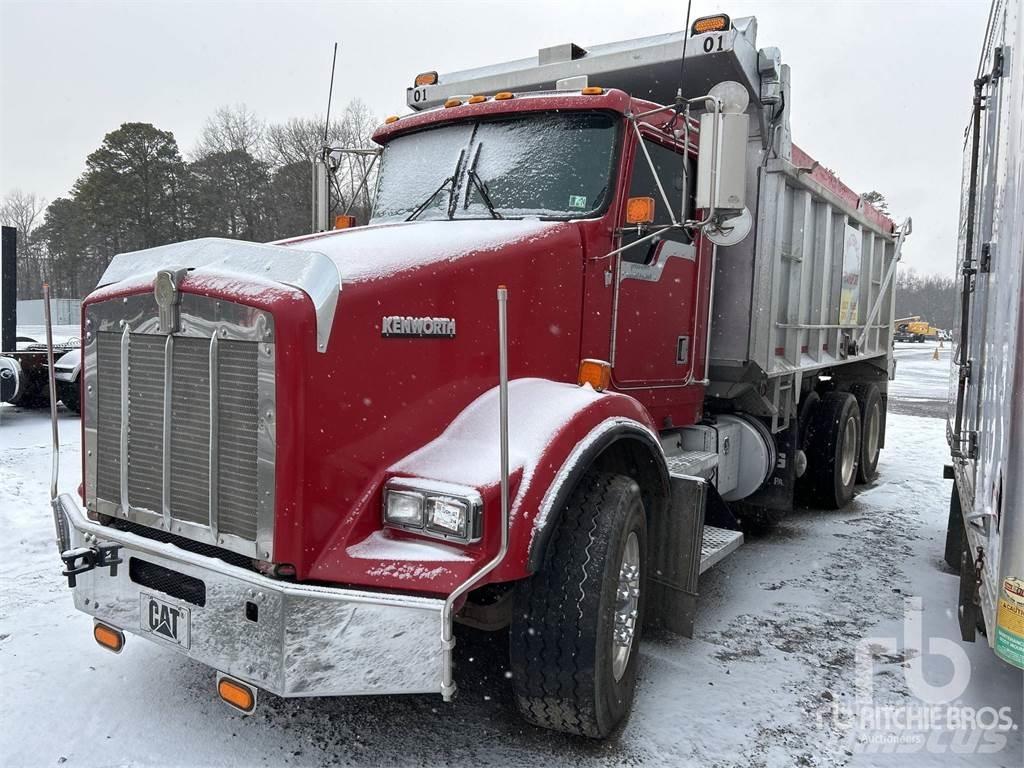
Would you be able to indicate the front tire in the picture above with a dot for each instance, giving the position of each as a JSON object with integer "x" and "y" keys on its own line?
{"x": 575, "y": 635}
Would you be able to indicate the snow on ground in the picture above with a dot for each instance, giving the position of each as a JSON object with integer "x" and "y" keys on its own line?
{"x": 921, "y": 386}
{"x": 765, "y": 681}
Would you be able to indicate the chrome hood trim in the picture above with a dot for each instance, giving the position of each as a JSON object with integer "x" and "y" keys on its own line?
{"x": 309, "y": 271}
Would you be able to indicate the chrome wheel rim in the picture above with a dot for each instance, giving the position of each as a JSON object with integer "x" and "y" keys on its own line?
{"x": 871, "y": 433}
{"x": 848, "y": 459}
{"x": 627, "y": 605}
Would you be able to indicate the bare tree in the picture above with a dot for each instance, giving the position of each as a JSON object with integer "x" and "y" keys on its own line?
{"x": 932, "y": 297}
{"x": 232, "y": 129}
{"x": 24, "y": 211}
{"x": 877, "y": 200}
{"x": 302, "y": 139}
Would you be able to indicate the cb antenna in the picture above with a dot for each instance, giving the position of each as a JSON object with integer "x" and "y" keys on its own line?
{"x": 682, "y": 60}
{"x": 682, "y": 71}
{"x": 330, "y": 94}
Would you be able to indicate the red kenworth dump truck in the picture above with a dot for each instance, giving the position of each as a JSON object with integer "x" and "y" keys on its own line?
{"x": 305, "y": 460}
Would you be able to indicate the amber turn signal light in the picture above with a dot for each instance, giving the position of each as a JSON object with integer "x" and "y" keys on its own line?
{"x": 110, "y": 638}
{"x": 640, "y": 210}
{"x": 344, "y": 221}
{"x": 596, "y": 373}
{"x": 716, "y": 23}
{"x": 426, "y": 78}
{"x": 236, "y": 694}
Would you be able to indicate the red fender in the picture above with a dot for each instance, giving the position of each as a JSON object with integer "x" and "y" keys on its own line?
{"x": 555, "y": 431}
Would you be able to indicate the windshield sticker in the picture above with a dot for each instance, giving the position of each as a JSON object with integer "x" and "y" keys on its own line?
{"x": 577, "y": 201}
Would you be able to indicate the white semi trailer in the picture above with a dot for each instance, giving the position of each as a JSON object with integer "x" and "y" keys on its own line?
{"x": 985, "y": 429}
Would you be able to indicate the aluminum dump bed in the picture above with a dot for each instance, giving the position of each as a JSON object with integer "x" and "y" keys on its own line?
{"x": 812, "y": 285}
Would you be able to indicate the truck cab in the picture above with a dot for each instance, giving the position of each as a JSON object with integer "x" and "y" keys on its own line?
{"x": 604, "y": 312}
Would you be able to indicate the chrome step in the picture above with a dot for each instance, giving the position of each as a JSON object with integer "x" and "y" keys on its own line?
{"x": 692, "y": 464}
{"x": 717, "y": 544}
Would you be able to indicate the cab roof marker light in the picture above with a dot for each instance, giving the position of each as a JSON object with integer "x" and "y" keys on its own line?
{"x": 425, "y": 78}
{"x": 504, "y": 96}
{"x": 390, "y": 119}
{"x": 592, "y": 90}
{"x": 717, "y": 23}
{"x": 453, "y": 103}
{"x": 476, "y": 99}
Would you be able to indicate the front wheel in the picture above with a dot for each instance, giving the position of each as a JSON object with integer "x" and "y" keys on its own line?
{"x": 574, "y": 642}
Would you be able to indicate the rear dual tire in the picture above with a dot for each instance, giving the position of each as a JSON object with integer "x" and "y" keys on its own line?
{"x": 575, "y": 635}
{"x": 872, "y": 416}
{"x": 833, "y": 446}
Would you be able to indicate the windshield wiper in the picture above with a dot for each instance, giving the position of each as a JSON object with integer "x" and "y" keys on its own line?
{"x": 451, "y": 192}
{"x": 481, "y": 187}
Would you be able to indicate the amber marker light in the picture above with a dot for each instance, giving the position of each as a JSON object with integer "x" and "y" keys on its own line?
{"x": 390, "y": 119}
{"x": 425, "y": 78}
{"x": 477, "y": 99}
{"x": 452, "y": 103}
{"x": 717, "y": 23}
{"x": 592, "y": 90}
{"x": 236, "y": 694}
{"x": 596, "y": 373}
{"x": 640, "y": 210}
{"x": 504, "y": 96}
{"x": 110, "y": 638}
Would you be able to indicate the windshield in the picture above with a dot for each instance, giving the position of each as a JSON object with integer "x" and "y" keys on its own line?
{"x": 546, "y": 165}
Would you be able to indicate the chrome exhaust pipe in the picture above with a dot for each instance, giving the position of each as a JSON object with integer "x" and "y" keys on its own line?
{"x": 448, "y": 686}
{"x": 60, "y": 524}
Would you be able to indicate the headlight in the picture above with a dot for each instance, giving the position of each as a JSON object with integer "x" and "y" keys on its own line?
{"x": 435, "y": 509}
{"x": 404, "y": 508}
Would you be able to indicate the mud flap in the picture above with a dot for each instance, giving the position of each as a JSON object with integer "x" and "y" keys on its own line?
{"x": 968, "y": 603}
{"x": 675, "y": 549}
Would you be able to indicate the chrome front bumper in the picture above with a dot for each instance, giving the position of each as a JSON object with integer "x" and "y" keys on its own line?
{"x": 307, "y": 640}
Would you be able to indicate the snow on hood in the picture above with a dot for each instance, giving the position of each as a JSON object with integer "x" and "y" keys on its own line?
{"x": 374, "y": 252}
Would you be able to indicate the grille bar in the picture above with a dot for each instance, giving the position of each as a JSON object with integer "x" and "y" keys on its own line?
{"x": 126, "y": 338}
{"x": 214, "y": 390}
{"x": 165, "y": 465}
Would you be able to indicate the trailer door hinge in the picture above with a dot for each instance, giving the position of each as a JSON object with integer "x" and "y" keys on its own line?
{"x": 985, "y": 263}
{"x": 965, "y": 371}
{"x": 998, "y": 62}
{"x": 972, "y": 445}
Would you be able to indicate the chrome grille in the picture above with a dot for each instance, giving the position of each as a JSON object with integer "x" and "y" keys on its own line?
{"x": 237, "y": 428}
{"x": 108, "y": 413}
{"x": 146, "y": 421}
{"x": 215, "y": 483}
{"x": 190, "y": 432}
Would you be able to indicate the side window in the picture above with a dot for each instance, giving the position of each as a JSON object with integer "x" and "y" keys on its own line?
{"x": 669, "y": 166}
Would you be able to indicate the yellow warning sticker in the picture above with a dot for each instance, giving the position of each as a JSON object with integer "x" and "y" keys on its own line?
{"x": 1009, "y": 640}
{"x": 1011, "y": 617}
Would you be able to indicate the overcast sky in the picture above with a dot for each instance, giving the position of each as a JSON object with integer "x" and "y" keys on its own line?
{"x": 881, "y": 90}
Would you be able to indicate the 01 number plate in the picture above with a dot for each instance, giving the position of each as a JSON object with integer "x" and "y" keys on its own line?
{"x": 165, "y": 620}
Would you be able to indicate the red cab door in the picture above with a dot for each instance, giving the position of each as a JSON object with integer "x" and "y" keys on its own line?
{"x": 655, "y": 302}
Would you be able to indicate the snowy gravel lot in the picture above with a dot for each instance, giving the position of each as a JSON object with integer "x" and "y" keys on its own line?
{"x": 772, "y": 662}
